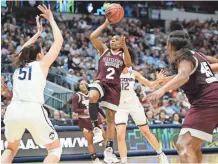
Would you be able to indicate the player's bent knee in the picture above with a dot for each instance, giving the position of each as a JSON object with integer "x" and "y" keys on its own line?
{"x": 93, "y": 98}
{"x": 56, "y": 152}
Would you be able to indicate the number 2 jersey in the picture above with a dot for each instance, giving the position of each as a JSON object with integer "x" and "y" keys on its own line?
{"x": 202, "y": 87}
{"x": 110, "y": 66}
{"x": 29, "y": 83}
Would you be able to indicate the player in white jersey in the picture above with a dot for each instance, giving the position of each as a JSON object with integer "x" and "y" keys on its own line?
{"x": 130, "y": 104}
{"x": 25, "y": 110}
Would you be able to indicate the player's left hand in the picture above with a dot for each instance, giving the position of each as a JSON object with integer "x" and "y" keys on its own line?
{"x": 161, "y": 74}
{"x": 155, "y": 96}
{"x": 123, "y": 42}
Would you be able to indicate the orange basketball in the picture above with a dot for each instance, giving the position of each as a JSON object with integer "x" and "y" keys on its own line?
{"x": 114, "y": 13}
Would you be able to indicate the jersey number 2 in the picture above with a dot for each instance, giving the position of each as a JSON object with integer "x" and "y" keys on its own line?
{"x": 24, "y": 73}
{"x": 111, "y": 73}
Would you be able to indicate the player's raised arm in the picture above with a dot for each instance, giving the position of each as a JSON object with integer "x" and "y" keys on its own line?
{"x": 96, "y": 41}
{"x": 127, "y": 57}
{"x": 52, "y": 54}
{"x": 35, "y": 37}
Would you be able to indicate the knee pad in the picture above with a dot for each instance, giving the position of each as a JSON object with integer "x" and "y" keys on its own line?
{"x": 57, "y": 152}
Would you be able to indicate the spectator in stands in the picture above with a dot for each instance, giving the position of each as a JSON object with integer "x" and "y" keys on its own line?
{"x": 176, "y": 119}
{"x": 150, "y": 117}
{"x": 162, "y": 118}
{"x": 57, "y": 118}
{"x": 72, "y": 79}
{"x": 166, "y": 106}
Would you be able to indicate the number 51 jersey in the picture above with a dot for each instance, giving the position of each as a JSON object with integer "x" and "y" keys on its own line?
{"x": 110, "y": 66}
{"x": 29, "y": 83}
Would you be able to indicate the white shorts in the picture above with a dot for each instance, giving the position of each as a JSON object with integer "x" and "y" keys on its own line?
{"x": 20, "y": 116}
{"x": 136, "y": 111}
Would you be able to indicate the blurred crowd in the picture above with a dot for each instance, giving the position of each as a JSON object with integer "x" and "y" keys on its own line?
{"x": 78, "y": 58}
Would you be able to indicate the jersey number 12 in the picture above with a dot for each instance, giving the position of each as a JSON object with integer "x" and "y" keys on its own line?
{"x": 25, "y": 73}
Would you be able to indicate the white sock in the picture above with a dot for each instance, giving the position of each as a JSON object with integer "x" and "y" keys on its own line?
{"x": 159, "y": 151}
{"x": 123, "y": 159}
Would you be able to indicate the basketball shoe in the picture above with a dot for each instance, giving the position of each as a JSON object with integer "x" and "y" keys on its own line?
{"x": 98, "y": 136}
{"x": 109, "y": 156}
{"x": 163, "y": 158}
{"x": 97, "y": 161}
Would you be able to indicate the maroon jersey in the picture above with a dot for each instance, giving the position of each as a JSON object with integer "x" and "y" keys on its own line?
{"x": 202, "y": 87}
{"x": 80, "y": 102}
{"x": 110, "y": 66}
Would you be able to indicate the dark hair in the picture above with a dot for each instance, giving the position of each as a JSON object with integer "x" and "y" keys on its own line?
{"x": 180, "y": 42}
{"x": 176, "y": 25}
{"x": 77, "y": 89}
{"x": 174, "y": 115}
{"x": 27, "y": 55}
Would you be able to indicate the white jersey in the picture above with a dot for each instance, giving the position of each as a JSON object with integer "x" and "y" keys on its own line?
{"x": 127, "y": 81}
{"x": 29, "y": 83}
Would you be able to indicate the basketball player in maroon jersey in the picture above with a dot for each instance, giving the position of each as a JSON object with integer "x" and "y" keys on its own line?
{"x": 80, "y": 102}
{"x": 106, "y": 87}
{"x": 196, "y": 78}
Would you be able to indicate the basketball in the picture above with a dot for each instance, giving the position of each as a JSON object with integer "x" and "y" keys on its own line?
{"x": 114, "y": 13}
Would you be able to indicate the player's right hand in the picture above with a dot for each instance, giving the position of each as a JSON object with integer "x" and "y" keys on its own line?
{"x": 106, "y": 22}
{"x": 39, "y": 25}
{"x": 47, "y": 14}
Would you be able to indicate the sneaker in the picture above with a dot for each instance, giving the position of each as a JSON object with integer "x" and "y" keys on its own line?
{"x": 163, "y": 158}
{"x": 109, "y": 156}
{"x": 97, "y": 161}
{"x": 98, "y": 136}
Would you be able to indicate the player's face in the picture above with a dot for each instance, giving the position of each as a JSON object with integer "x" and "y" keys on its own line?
{"x": 41, "y": 54}
{"x": 169, "y": 48}
{"x": 115, "y": 42}
{"x": 82, "y": 85}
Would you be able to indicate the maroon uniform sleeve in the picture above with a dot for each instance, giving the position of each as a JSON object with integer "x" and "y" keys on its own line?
{"x": 75, "y": 104}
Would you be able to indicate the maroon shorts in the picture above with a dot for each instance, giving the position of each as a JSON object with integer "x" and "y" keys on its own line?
{"x": 109, "y": 94}
{"x": 205, "y": 120}
{"x": 87, "y": 124}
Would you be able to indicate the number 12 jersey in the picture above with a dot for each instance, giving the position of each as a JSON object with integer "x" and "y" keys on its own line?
{"x": 29, "y": 83}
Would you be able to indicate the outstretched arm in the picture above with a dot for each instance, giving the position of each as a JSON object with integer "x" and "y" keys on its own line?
{"x": 35, "y": 37}
{"x": 94, "y": 38}
{"x": 143, "y": 80}
{"x": 184, "y": 70}
{"x": 53, "y": 52}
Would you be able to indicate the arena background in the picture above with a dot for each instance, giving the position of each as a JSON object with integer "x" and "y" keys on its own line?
{"x": 146, "y": 25}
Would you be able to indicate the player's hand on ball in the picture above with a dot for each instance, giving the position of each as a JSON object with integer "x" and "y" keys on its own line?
{"x": 47, "y": 14}
{"x": 123, "y": 42}
{"x": 107, "y": 22}
{"x": 39, "y": 25}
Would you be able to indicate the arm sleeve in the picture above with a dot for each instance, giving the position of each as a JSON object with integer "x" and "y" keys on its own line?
{"x": 75, "y": 104}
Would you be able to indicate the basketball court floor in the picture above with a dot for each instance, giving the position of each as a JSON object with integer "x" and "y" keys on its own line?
{"x": 207, "y": 158}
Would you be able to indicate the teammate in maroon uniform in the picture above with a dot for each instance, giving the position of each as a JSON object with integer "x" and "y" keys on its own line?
{"x": 195, "y": 77}
{"x": 80, "y": 102}
{"x": 107, "y": 85}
